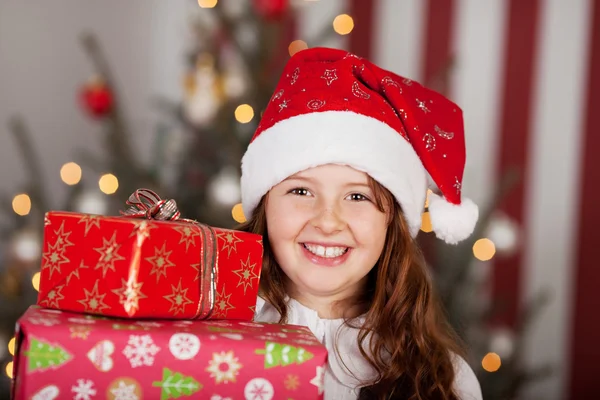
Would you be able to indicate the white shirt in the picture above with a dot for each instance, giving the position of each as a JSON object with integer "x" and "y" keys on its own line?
{"x": 346, "y": 364}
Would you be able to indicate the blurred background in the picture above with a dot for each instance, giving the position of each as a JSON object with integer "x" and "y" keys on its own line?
{"x": 99, "y": 98}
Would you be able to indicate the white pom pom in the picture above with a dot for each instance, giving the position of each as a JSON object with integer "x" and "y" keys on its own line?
{"x": 452, "y": 223}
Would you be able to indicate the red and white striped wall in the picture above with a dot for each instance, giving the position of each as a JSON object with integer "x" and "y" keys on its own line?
{"x": 527, "y": 75}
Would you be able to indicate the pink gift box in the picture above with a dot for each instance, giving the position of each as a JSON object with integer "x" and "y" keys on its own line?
{"x": 67, "y": 355}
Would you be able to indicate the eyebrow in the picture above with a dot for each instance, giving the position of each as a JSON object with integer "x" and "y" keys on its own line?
{"x": 308, "y": 179}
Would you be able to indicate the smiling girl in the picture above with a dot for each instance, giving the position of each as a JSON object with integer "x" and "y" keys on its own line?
{"x": 335, "y": 179}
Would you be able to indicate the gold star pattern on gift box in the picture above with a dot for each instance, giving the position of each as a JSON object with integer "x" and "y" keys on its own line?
{"x": 222, "y": 304}
{"x": 160, "y": 262}
{"x": 188, "y": 235}
{"x": 130, "y": 294}
{"x": 93, "y": 301}
{"x": 109, "y": 254}
{"x": 90, "y": 221}
{"x": 246, "y": 274}
{"x": 178, "y": 299}
{"x": 230, "y": 241}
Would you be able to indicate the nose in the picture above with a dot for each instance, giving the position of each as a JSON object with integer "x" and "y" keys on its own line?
{"x": 328, "y": 220}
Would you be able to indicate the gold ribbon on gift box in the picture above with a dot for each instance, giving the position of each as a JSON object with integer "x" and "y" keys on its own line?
{"x": 144, "y": 203}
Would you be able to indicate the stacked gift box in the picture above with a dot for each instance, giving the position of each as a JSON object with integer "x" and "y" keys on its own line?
{"x": 150, "y": 305}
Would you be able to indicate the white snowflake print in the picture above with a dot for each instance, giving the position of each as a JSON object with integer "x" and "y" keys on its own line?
{"x": 84, "y": 390}
{"x": 48, "y": 393}
{"x": 224, "y": 367}
{"x": 252, "y": 324}
{"x": 219, "y": 323}
{"x": 283, "y": 105}
{"x": 149, "y": 324}
{"x": 218, "y": 397}
{"x": 319, "y": 379}
{"x": 49, "y": 311}
{"x": 140, "y": 350}
{"x": 86, "y": 321}
{"x": 36, "y": 320}
{"x": 457, "y": 185}
{"x": 184, "y": 346}
{"x": 259, "y": 389}
{"x": 124, "y": 392}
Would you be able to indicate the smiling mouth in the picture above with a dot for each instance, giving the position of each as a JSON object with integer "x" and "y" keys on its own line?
{"x": 326, "y": 251}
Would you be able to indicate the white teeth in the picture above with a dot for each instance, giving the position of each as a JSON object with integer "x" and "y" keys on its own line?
{"x": 326, "y": 252}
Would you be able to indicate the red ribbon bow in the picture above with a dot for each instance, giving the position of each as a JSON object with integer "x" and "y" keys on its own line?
{"x": 144, "y": 203}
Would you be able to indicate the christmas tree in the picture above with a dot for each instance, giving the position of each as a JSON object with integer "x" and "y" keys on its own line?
{"x": 42, "y": 355}
{"x": 197, "y": 151}
{"x": 279, "y": 354}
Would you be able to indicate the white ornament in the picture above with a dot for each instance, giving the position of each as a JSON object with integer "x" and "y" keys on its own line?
{"x": 184, "y": 346}
{"x": 140, "y": 350}
{"x": 225, "y": 188}
{"x": 504, "y": 233}
{"x": 84, "y": 390}
{"x": 26, "y": 246}
{"x": 91, "y": 202}
{"x": 502, "y": 342}
{"x": 259, "y": 389}
{"x": 203, "y": 105}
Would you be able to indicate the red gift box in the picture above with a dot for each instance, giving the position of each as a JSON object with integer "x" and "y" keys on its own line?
{"x": 63, "y": 355}
{"x": 136, "y": 268}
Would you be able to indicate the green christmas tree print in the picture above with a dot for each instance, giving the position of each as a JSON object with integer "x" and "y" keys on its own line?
{"x": 277, "y": 354}
{"x": 174, "y": 385}
{"x": 43, "y": 355}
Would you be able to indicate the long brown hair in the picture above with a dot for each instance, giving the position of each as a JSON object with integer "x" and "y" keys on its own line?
{"x": 412, "y": 343}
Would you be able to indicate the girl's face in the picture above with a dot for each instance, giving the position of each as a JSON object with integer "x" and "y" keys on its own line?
{"x": 325, "y": 230}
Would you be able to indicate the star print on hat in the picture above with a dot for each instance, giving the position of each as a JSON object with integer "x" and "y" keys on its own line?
{"x": 332, "y": 107}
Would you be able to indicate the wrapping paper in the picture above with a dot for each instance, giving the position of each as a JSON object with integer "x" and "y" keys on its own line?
{"x": 62, "y": 355}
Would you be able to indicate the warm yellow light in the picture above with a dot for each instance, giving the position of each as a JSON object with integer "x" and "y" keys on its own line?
{"x": 491, "y": 362}
{"x": 70, "y": 173}
{"x": 296, "y": 46}
{"x": 429, "y": 191}
{"x": 343, "y": 24}
{"x": 244, "y": 113}
{"x": 207, "y": 3}
{"x": 35, "y": 281}
{"x": 9, "y": 369}
{"x": 11, "y": 346}
{"x": 237, "y": 213}
{"x": 108, "y": 183}
{"x": 21, "y": 204}
{"x": 426, "y": 222}
{"x": 484, "y": 249}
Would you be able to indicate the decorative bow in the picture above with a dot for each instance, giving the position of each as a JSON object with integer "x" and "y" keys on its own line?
{"x": 144, "y": 203}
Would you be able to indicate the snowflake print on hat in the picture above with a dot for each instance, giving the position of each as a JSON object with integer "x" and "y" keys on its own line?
{"x": 443, "y": 134}
{"x": 358, "y": 92}
{"x": 315, "y": 104}
{"x": 277, "y": 95}
{"x": 390, "y": 82}
{"x": 259, "y": 389}
{"x": 140, "y": 351}
{"x": 295, "y": 76}
{"x": 422, "y": 106}
{"x": 184, "y": 346}
{"x": 283, "y": 105}
{"x": 429, "y": 141}
{"x": 224, "y": 367}
{"x": 84, "y": 390}
{"x": 329, "y": 75}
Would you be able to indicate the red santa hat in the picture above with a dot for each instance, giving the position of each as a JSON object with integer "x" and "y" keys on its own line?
{"x": 332, "y": 107}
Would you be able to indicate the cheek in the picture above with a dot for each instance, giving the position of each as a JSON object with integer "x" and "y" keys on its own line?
{"x": 370, "y": 228}
{"x": 284, "y": 221}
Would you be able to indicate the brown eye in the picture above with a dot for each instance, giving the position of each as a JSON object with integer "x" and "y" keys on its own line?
{"x": 300, "y": 192}
{"x": 358, "y": 197}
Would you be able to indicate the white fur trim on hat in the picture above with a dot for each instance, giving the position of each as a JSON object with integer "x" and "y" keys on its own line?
{"x": 335, "y": 137}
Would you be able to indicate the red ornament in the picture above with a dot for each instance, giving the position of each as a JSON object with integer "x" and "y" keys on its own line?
{"x": 271, "y": 9}
{"x": 96, "y": 98}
